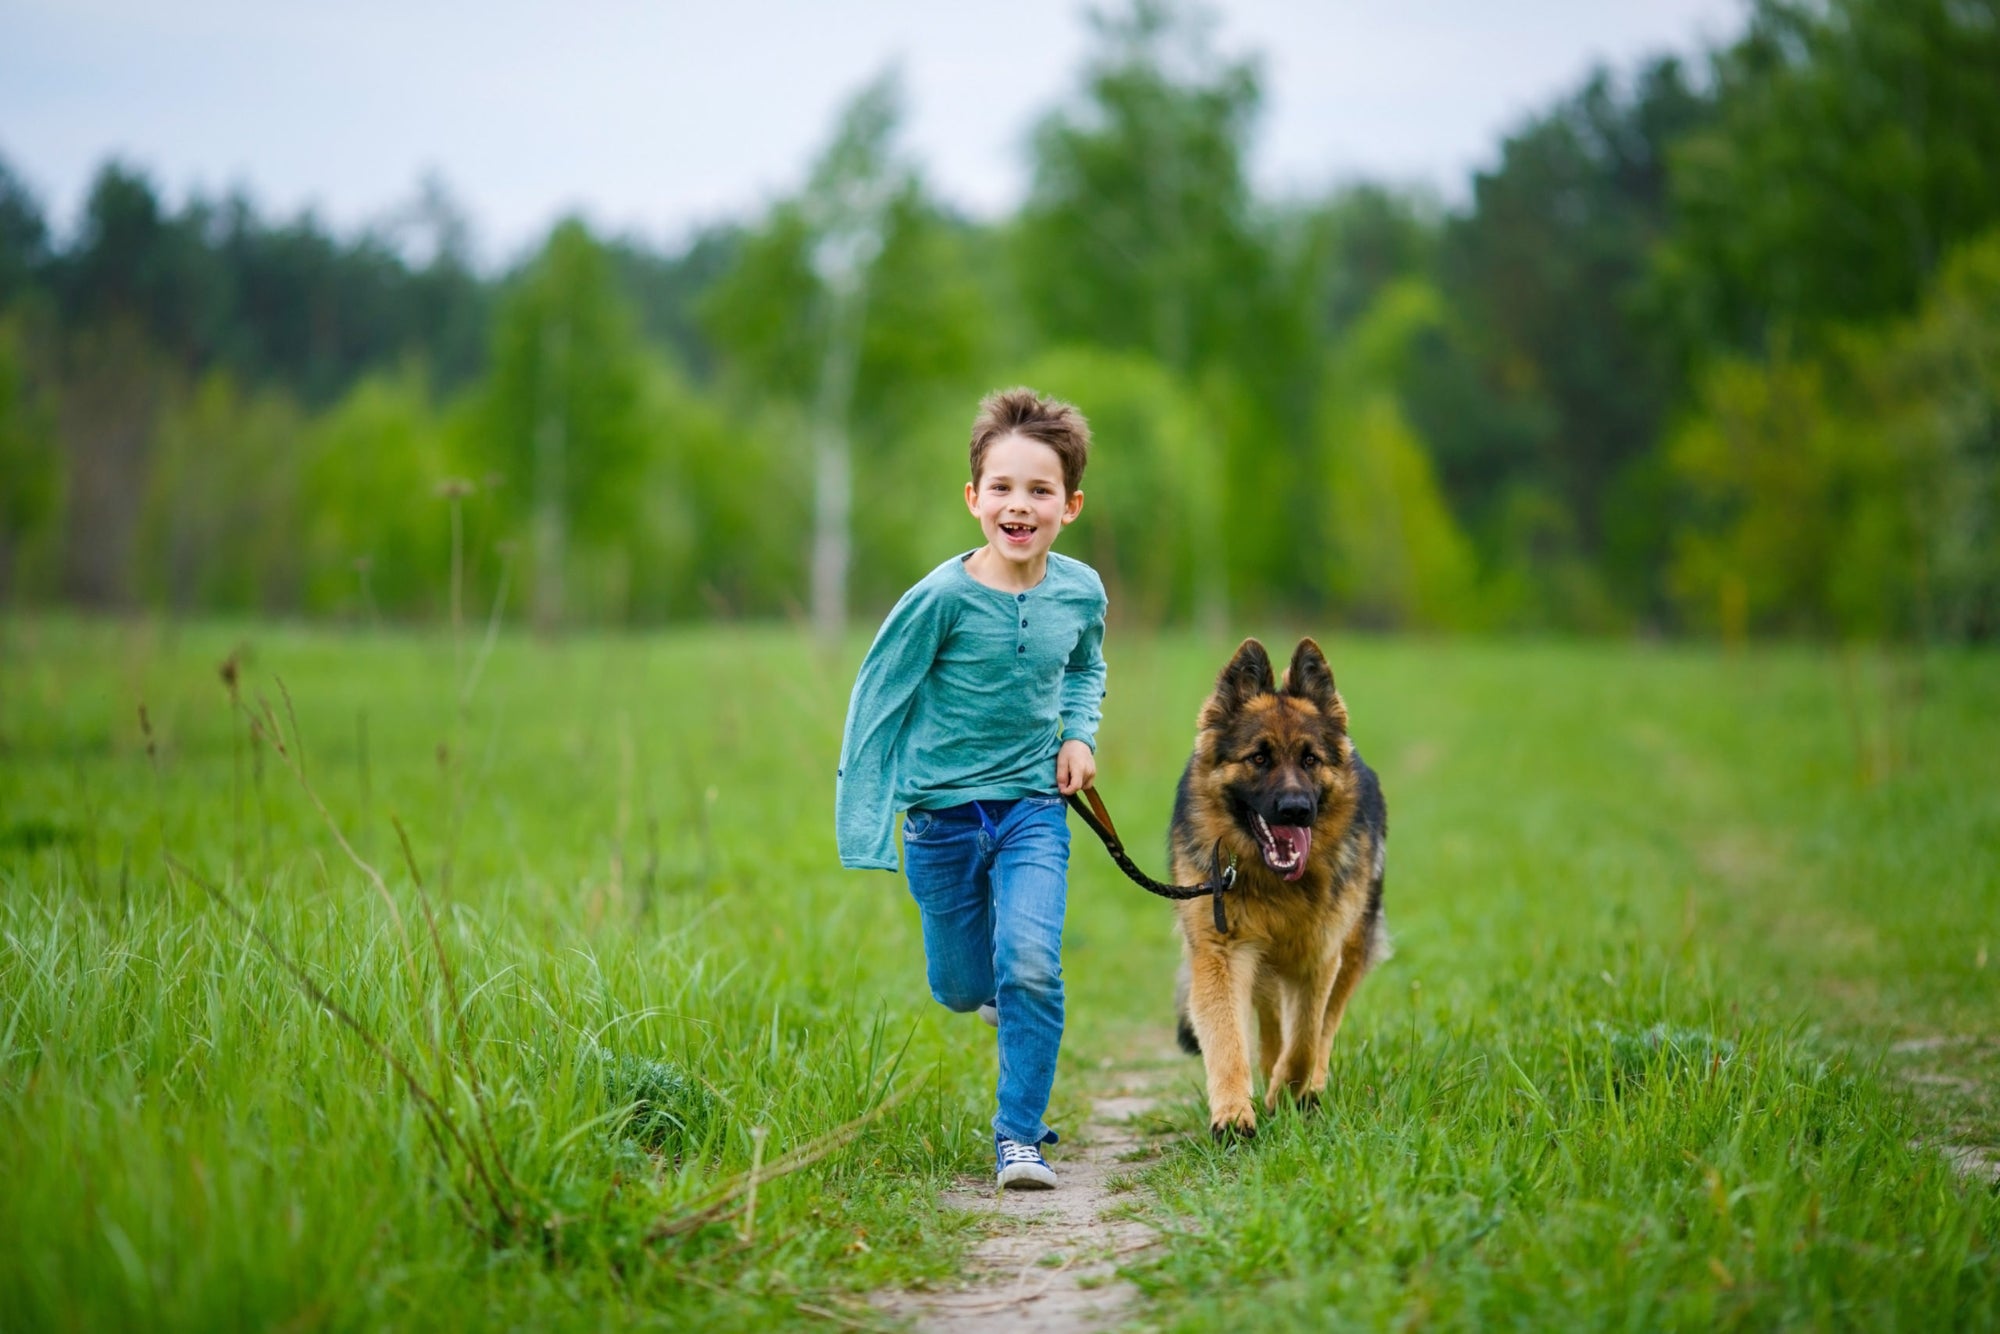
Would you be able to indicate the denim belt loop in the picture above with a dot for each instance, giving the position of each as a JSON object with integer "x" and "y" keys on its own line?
{"x": 986, "y": 821}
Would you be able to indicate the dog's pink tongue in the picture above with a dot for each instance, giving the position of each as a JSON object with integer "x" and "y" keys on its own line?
{"x": 1301, "y": 838}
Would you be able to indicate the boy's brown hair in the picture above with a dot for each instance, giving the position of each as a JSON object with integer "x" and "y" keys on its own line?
{"x": 1022, "y": 411}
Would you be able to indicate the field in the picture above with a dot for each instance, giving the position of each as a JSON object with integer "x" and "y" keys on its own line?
{"x": 474, "y": 1003}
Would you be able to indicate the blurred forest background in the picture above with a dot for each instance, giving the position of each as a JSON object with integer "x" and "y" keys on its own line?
{"x": 1713, "y": 348}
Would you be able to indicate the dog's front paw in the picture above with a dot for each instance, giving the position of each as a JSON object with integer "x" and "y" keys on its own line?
{"x": 1305, "y": 1099}
{"x": 1233, "y": 1123}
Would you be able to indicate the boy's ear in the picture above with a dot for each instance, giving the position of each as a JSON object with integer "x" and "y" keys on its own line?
{"x": 972, "y": 498}
{"x": 1247, "y": 676}
{"x": 1073, "y": 506}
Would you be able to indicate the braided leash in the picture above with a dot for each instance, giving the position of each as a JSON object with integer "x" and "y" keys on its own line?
{"x": 1220, "y": 877}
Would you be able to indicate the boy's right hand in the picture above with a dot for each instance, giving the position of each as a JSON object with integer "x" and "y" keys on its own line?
{"x": 1076, "y": 767}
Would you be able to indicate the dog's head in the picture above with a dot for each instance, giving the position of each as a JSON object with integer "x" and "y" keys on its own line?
{"x": 1277, "y": 755}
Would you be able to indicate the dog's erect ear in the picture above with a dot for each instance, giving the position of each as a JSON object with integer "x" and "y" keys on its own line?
{"x": 1247, "y": 676}
{"x": 1309, "y": 678}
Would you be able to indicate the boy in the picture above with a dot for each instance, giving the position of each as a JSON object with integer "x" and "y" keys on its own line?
{"x": 976, "y": 711}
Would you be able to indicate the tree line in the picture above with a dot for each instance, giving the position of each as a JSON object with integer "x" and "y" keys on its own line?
{"x": 1713, "y": 347}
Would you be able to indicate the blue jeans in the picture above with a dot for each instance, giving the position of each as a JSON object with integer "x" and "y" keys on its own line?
{"x": 991, "y": 881}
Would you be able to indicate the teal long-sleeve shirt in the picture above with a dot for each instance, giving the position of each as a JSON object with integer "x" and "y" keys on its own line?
{"x": 966, "y": 695}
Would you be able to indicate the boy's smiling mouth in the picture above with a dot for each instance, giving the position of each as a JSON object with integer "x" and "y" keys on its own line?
{"x": 1017, "y": 532}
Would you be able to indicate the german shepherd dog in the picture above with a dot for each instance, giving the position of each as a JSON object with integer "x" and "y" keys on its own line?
{"x": 1277, "y": 783}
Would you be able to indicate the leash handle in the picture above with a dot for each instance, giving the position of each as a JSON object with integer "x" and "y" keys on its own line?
{"x": 1103, "y": 816}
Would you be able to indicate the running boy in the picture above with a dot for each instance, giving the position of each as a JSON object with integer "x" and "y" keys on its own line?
{"x": 975, "y": 711}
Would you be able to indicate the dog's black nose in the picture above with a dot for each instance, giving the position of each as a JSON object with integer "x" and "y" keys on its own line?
{"x": 1293, "y": 808}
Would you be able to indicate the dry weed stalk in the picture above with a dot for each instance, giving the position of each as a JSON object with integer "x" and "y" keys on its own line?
{"x": 506, "y": 550}
{"x": 722, "y": 1201}
{"x": 486, "y": 1165}
{"x": 438, "y": 1123}
{"x": 489, "y": 1164}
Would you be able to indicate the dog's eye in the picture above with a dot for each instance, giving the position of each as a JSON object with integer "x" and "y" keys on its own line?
{"x": 1261, "y": 760}
{"x": 1309, "y": 760}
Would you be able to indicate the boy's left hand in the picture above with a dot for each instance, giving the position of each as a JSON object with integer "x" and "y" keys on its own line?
{"x": 1076, "y": 767}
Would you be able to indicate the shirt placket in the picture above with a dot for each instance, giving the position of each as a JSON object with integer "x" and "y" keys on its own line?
{"x": 1021, "y": 632}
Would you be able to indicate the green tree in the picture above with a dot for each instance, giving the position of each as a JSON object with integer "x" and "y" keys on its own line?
{"x": 1152, "y": 523}
{"x": 1934, "y": 381}
{"x": 558, "y": 415}
{"x": 1366, "y": 238}
{"x": 1546, "y": 396}
{"x": 110, "y": 389}
{"x": 24, "y": 237}
{"x": 1394, "y": 555}
{"x": 1140, "y": 235}
{"x": 1855, "y": 491}
{"x": 853, "y": 306}
{"x": 1854, "y": 146}
{"x": 375, "y": 531}
{"x": 218, "y": 531}
{"x": 30, "y": 468}
{"x": 667, "y": 291}
{"x": 723, "y": 504}
{"x": 1775, "y": 472}
{"x": 1137, "y": 232}
{"x": 213, "y": 285}
{"x": 817, "y": 260}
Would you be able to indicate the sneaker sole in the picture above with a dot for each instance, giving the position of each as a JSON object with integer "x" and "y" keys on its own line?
{"x": 1027, "y": 1177}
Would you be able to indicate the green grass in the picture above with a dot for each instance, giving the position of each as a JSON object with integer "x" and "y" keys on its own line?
{"x": 1659, "y": 913}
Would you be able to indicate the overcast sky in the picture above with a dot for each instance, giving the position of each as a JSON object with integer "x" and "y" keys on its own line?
{"x": 655, "y": 118}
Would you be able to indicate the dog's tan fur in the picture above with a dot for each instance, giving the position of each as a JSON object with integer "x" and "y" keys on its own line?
{"x": 1295, "y": 950}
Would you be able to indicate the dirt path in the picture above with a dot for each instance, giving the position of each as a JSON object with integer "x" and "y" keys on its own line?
{"x": 1049, "y": 1259}
{"x": 1958, "y": 1075}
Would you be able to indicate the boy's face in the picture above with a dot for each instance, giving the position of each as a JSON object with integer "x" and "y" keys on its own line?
{"x": 1019, "y": 499}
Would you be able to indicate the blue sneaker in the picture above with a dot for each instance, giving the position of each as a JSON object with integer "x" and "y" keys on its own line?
{"x": 1022, "y": 1166}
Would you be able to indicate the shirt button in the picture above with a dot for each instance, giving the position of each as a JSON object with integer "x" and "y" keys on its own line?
{"x": 1020, "y": 597}
{"x": 1024, "y": 625}
{"x": 1023, "y": 648}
